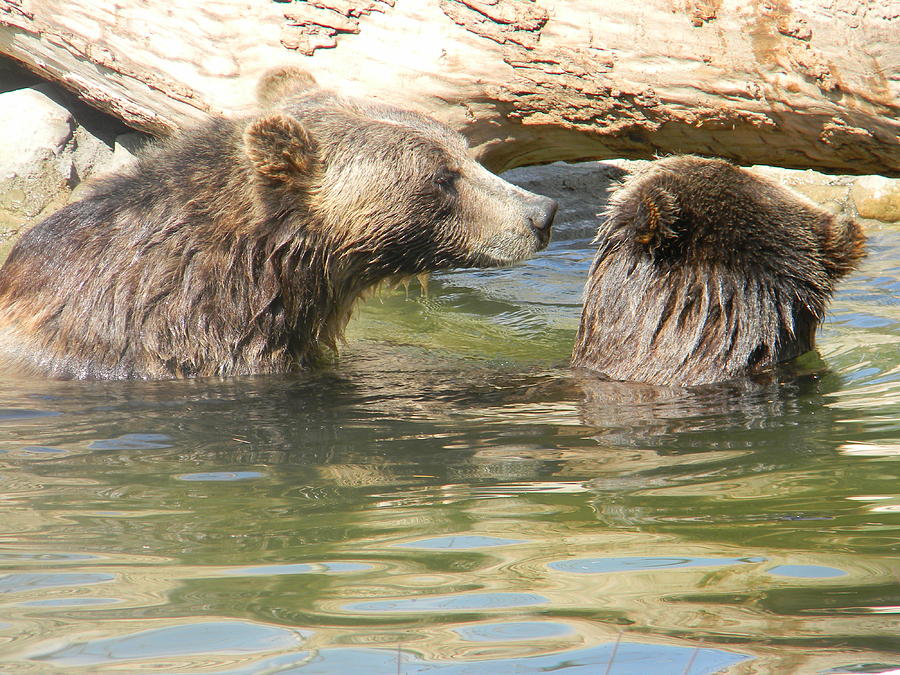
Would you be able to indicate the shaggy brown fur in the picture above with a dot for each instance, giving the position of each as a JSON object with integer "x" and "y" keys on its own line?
{"x": 240, "y": 247}
{"x": 708, "y": 272}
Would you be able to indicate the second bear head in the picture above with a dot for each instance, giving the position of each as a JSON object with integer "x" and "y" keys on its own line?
{"x": 706, "y": 271}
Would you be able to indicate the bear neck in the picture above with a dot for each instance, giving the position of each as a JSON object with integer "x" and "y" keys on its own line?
{"x": 312, "y": 283}
{"x": 681, "y": 327}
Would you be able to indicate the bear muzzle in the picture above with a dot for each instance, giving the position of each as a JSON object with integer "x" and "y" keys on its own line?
{"x": 509, "y": 223}
{"x": 540, "y": 212}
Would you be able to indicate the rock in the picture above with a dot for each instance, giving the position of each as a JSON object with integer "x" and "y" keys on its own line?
{"x": 877, "y": 197}
{"x": 51, "y": 145}
{"x": 34, "y": 127}
{"x": 89, "y": 154}
{"x": 125, "y": 147}
{"x": 580, "y": 189}
{"x": 797, "y": 177}
{"x": 834, "y": 198}
{"x": 35, "y": 131}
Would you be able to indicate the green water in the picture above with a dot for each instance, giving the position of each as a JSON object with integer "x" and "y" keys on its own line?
{"x": 449, "y": 498}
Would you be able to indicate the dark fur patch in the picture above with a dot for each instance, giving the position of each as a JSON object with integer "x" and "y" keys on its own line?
{"x": 707, "y": 272}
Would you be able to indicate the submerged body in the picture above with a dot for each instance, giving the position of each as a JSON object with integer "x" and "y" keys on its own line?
{"x": 707, "y": 272}
{"x": 240, "y": 247}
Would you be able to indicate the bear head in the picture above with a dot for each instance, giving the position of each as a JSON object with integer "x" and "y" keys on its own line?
{"x": 393, "y": 190}
{"x": 706, "y": 271}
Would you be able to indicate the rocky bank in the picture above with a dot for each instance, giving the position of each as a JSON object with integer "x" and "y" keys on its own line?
{"x": 51, "y": 147}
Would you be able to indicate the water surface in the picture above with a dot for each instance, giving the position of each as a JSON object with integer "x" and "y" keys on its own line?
{"x": 449, "y": 498}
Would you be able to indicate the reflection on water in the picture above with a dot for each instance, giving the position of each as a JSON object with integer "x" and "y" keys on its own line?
{"x": 607, "y": 565}
{"x": 219, "y": 637}
{"x": 451, "y": 499}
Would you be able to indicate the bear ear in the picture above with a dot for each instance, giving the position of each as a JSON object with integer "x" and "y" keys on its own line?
{"x": 654, "y": 213}
{"x": 279, "y": 83}
{"x": 279, "y": 148}
{"x": 844, "y": 245}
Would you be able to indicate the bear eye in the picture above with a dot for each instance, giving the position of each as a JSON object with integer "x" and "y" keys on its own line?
{"x": 445, "y": 178}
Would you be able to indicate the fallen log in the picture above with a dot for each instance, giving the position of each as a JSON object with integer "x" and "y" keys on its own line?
{"x": 793, "y": 83}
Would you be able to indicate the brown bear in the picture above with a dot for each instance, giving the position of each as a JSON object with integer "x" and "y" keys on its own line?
{"x": 241, "y": 246}
{"x": 706, "y": 272}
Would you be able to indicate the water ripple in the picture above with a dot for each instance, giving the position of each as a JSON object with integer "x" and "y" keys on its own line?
{"x": 450, "y": 603}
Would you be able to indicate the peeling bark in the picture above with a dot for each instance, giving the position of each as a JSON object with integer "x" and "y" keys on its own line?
{"x": 315, "y": 24}
{"x": 795, "y": 83}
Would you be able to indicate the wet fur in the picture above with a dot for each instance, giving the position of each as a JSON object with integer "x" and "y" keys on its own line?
{"x": 241, "y": 247}
{"x": 707, "y": 272}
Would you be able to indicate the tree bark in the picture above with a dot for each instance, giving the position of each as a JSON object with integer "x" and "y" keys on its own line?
{"x": 794, "y": 83}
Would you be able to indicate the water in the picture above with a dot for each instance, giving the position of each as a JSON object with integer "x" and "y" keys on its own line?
{"x": 450, "y": 499}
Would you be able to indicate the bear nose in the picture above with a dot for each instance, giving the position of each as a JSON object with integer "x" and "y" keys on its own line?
{"x": 542, "y": 213}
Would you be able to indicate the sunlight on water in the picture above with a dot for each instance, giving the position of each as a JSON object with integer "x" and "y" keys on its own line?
{"x": 450, "y": 498}
{"x": 164, "y": 643}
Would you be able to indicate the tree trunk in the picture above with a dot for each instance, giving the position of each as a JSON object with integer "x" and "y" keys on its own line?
{"x": 795, "y": 83}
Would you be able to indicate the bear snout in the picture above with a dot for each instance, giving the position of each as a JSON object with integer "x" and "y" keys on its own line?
{"x": 540, "y": 213}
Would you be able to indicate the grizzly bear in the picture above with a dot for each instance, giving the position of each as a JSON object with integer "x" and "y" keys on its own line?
{"x": 241, "y": 246}
{"x": 706, "y": 272}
